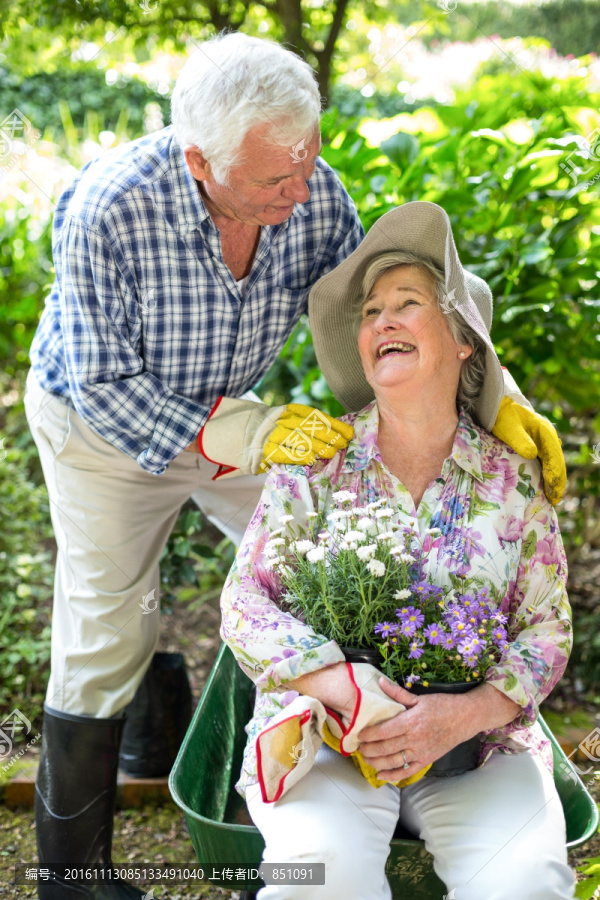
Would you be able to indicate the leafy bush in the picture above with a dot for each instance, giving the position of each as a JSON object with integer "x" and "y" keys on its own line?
{"x": 25, "y": 272}
{"x": 26, "y": 577}
{"x": 570, "y": 26}
{"x": 83, "y": 87}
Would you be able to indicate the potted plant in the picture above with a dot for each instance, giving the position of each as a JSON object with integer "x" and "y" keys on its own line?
{"x": 357, "y": 578}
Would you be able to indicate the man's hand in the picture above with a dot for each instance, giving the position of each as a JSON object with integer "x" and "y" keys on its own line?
{"x": 304, "y": 434}
{"x": 531, "y": 435}
{"x": 248, "y": 437}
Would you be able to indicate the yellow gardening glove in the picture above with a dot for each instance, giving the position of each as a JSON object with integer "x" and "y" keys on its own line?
{"x": 365, "y": 768}
{"x": 303, "y": 434}
{"x": 244, "y": 437}
{"x": 530, "y": 435}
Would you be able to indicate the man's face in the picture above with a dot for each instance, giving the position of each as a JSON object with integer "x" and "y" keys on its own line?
{"x": 265, "y": 185}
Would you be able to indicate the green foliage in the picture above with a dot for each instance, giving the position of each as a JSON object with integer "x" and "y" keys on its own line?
{"x": 192, "y": 563}
{"x": 88, "y": 98}
{"x": 25, "y": 270}
{"x": 25, "y": 586}
{"x": 589, "y": 888}
{"x": 311, "y": 29}
{"x": 570, "y": 26}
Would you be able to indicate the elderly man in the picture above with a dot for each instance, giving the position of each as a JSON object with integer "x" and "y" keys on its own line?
{"x": 183, "y": 261}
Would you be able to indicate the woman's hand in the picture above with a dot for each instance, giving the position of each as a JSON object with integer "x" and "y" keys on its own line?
{"x": 331, "y": 685}
{"x": 433, "y": 725}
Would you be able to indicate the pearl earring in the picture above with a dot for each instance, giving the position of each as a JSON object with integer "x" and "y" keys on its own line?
{"x": 462, "y": 354}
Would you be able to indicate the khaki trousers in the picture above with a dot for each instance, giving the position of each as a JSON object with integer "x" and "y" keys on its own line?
{"x": 111, "y": 522}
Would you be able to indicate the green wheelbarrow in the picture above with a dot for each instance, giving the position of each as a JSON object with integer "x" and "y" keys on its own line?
{"x": 230, "y": 847}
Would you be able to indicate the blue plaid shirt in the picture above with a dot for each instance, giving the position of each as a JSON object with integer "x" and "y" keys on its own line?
{"x": 146, "y": 326}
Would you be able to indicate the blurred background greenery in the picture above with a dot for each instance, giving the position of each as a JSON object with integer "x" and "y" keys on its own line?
{"x": 489, "y": 109}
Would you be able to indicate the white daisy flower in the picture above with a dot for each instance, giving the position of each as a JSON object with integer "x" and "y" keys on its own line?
{"x": 348, "y": 545}
{"x": 367, "y": 525}
{"x": 376, "y": 567}
{"x": 277, "y": 532}
{"x": 355, "y": 536}
{"x": 402, "y": 595}
{"x": 317, "y": 554}
{"x": 302, "y": 547}
{"x": 366, "y": 552}
{"x": 386, "y": 513}
{"x": 385, "y": 536}
{"x": 312, "y": 515}
{"x": 285, "y": 519}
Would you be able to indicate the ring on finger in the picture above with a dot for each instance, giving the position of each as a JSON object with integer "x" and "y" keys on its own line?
{"x": 406, "y": 762}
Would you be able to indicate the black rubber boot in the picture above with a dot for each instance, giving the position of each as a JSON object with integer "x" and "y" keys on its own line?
{"x": 157, "y": 718}
{"x": 75, "y": 802}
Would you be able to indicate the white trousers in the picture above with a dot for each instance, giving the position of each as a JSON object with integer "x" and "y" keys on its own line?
{"x": 111, "y": 522}
{"x": 496, "y": 833}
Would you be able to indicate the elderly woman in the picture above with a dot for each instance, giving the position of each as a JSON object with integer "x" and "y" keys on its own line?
{"x": 400, "y": 321}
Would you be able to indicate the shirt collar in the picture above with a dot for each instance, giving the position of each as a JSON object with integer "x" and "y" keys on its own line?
{"x": 364, "y": 447}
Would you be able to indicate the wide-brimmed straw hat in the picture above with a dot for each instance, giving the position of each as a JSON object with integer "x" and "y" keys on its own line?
{"x": 335, "y": 301}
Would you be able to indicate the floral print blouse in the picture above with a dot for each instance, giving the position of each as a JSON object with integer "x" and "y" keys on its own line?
{"x": 494, "y": 522}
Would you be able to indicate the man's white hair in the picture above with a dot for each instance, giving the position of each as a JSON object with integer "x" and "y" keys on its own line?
{"x": 233, "y": 83}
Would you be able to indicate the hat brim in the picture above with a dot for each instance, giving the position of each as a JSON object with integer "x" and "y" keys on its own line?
{"x": 335, "y": 301}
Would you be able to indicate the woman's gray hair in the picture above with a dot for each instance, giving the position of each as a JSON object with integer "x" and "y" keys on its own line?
{"x": 232, "y": 84}
{"x": 472, "y": 373}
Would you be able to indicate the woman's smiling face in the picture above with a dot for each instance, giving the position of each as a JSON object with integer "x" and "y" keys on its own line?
{"x": 404, "y": 337}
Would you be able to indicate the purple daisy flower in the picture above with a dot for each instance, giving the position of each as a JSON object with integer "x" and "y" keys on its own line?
{"x": 478, "y": 644}
{"x": 408, "y": 629}
{"x": 499, "y": 633}
{"x": 461, "y": 629}
{"x": 416, "y": 649}
{"x": 455, "y": 611}
{"x": 448, "y": 641}
{"x": 416, "y": 616}
{"x": 386, "y": 628}
{"x": 434, "y": 634}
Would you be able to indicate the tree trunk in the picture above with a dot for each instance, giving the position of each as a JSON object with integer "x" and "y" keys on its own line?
{"x": 325, "y": 56}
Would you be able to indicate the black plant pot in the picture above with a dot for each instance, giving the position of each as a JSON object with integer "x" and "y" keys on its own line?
{"x": 157, "y": 718}
{"x": 461, "y": 758}
{"x": 370, "y": 655}
{"x": 464, "y": 756}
